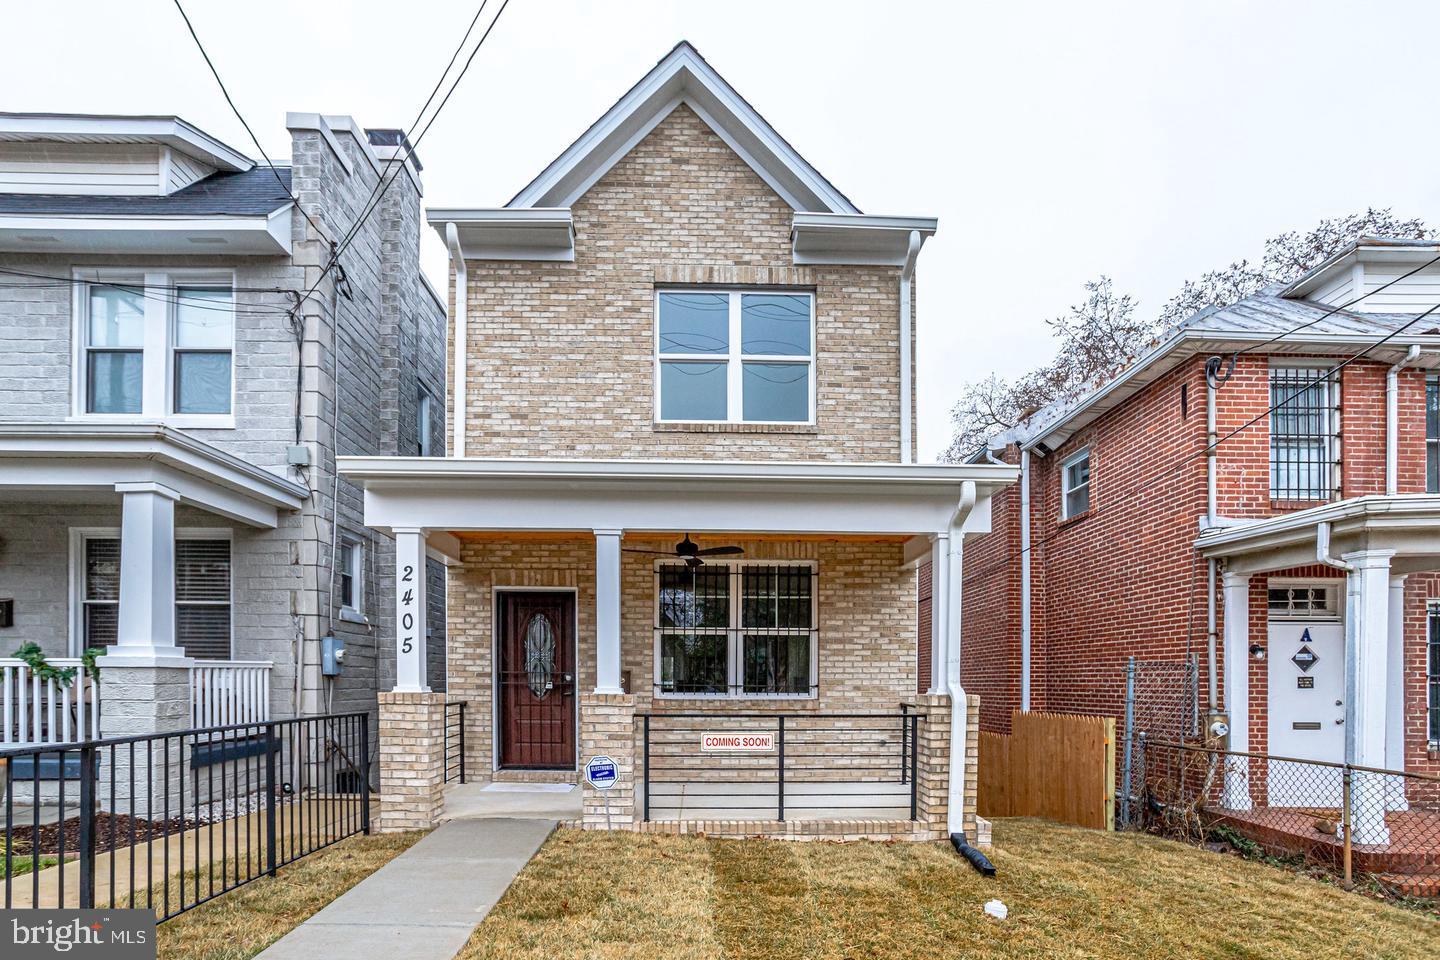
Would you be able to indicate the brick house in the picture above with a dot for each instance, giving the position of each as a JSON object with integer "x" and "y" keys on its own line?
{"x": 681, "y": 504}
{"x": 1305, "y": 549}
{"x": 171, "y": 405}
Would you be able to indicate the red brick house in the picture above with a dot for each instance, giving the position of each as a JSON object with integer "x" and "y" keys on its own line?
{"x": 1303, "y": 548}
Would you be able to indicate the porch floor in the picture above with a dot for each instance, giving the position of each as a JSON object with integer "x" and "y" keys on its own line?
{"x": 747, "y": 800}
{"x": 483, "y": 801}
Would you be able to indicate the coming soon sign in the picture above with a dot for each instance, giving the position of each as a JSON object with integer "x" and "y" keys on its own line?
{"x": 737, "y": 742}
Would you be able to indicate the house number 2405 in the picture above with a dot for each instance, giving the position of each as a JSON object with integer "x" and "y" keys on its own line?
{"x": 407, "y": 619}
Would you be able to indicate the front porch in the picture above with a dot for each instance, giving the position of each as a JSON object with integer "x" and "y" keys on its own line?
{"x": 754, "y": 675}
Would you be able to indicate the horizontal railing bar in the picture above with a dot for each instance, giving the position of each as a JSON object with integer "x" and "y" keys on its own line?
{"x": 192, "y": 732}
{"x": 794, "y": 715}
{"x": 1429, "y": 778}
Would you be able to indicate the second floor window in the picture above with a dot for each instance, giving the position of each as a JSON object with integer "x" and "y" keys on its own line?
{"x": 1302, "y": 434}
{"x": 423, "y": 445}
{"x": 1075, "y": 485}
{"x": 735, "y": 357}
{"x": 156, "y": 346}
{"x": 1432, "y": 434}
{"x": 351, "y": 577}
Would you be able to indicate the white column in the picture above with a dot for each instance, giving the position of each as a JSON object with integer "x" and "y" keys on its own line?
{"x": 1237, "y": 688}
{"x": 146, "y": 630}
{"x": 1367, "y": 644}
{"x": 939, "y": 595}
{"x": 1395, "y": 700}
{"x": 410, "y": 611}
{"x": 607, "y": 611}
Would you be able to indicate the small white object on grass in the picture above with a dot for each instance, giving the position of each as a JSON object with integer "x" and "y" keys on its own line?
{"x": 997, "y": 909}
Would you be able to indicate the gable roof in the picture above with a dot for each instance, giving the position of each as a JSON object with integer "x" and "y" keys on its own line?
{"x": 683, "y": 76}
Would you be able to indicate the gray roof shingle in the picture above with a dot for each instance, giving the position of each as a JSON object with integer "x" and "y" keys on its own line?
{"x": 255, "y": 192}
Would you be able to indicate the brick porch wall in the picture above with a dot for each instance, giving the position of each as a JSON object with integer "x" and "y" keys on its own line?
{"x": 412, "y": 760}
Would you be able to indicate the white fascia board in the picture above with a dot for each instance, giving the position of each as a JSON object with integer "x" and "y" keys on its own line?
{"x": 171, "y": 131}
{"x": 683, "y": 76}
{"x": 1409, "y": 522}
{"x": 846, "y": 238}
{"x": 267, "y": 235}
{"x": 505, "y": 233}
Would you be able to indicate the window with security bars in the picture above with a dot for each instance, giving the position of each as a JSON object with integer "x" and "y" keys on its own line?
{"x": 1432, "y": 434}
{"x": 1302, "y": 435}
{"x": 202, "y": 595}
{"x": 1303, "y": 602}
{"x": 738, "y": 629}
{"x": 1434, "y": 674}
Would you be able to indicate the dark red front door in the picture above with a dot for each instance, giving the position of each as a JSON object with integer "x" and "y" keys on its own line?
{"x": 537, "y": 680}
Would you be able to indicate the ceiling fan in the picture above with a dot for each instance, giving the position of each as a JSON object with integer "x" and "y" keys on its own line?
{"x": 689, "y": 551}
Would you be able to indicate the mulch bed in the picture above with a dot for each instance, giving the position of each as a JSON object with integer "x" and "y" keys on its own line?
{"x": 121, "y": 824}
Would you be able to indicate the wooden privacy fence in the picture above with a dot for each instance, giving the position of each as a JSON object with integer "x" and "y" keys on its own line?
{"x": 1054, "y": 765}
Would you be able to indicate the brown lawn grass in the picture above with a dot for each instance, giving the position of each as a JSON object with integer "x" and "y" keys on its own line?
{"x": 245, "y": 921}
{"x": 1071, "y": 893}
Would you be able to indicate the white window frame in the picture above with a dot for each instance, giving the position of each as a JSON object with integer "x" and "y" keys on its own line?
{"x": 158, "y": 349}
{"x": 1432, "y": 614}
{"x": 735, "y": 631}
{"x": 424, "y": 405}
{"x": 1331, "y": 456}
{"x": 1066, "y": 488}
{"x": 735, "y": 359}
{"x": 354, "y": 611}
{"x": 76, "y": 594}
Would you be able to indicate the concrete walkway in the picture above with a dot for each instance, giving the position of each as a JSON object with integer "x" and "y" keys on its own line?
{"x": 424, "y": 904}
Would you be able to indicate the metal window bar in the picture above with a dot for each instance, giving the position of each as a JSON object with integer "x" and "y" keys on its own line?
{"x": 222, "y": 805}
{"x": 816, "y": 766}
{"x": 1302, "y": 435}
{"x": 455, "y": 741}
{"x": 1432, "y": 434}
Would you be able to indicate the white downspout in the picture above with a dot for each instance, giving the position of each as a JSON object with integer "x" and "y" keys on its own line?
{"x": 1024, "y": 579}
{"x": 907, "y": 273}
{"x": 462, "y": 297}
{"x": 1322, "y": 549}
{"x": 1392, "y": 421}
{"x": 1212, "y": 633}
{"x": 955, "y": 813}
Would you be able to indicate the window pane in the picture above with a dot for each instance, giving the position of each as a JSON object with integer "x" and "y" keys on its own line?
{"x": 776, "y": 597}
{"x": 1078, "y": 474}
{"x": 692, "y": 391}
{"x": 202, "y": 382}
{"x": 1432, "y": 435}
{"x": 775, "y": 323}
{"x": 102, "y": 569}
{"x": 1077, "y": 501}
{"x": 113, "y": 379}
{"x": 203, "y": 317}
{"x": 117, "y": 317}
{"x": 777, "y": 392}
{"x": 694, "y": 322}
{"x": 777, "y": 664}
{"x": 203, "y": 630}
{"x": 694, "y": 599}
{"x": 202, "y": 570}
{"x": 692, "y": 663}
{"x": 102, "y": 621}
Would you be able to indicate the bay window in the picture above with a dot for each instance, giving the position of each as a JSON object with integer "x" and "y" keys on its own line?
{"x": 736, "y": 630}
{"x": 735, "y": 356}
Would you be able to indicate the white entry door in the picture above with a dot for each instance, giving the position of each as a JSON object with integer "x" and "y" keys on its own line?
{"x": 1307, "y": 711}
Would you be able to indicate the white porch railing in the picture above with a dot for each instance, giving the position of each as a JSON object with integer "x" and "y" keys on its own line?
{"x": 34, "y": 711}
{"x": 225, "y": 692}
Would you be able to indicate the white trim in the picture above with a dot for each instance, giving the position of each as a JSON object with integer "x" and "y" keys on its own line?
{"x": 248, "y": 235}
{"x": 495, "y": 638}
{"x": 735, "y": 358}
{"x": 101, "y": 128}
{"x": 734, "y": 641}
{"x": 353, "y": 612}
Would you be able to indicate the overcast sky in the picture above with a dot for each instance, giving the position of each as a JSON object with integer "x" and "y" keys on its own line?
{"x": 1055, "y": 141}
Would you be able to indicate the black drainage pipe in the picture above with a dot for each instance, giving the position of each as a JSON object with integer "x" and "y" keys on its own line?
{"x": 977, "y": 859}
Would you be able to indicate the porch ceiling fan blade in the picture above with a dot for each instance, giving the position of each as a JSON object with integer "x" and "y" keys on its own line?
{"x": 658, "y": 553}
{"x": 720, "y": 551}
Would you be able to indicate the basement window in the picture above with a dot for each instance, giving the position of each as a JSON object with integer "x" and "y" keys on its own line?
{"x": 1075, "y": 485}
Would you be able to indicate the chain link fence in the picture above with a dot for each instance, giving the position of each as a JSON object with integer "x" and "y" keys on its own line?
{"x": 1162, "y": 701}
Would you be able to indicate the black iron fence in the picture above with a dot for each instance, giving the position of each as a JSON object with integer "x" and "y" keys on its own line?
{"x": 170, "y": 821}
{"x": 777, "y": 766}
{"x": 1376, "y": 828}
{"x": 455, "y": 741}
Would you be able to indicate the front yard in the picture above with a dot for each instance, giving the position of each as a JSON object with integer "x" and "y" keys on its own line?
{"x": 1071, "y": 893}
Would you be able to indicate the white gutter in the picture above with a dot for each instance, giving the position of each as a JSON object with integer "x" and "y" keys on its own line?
{"x": 907, "y": 274}
{"x": 955, "y": 814}
{"x": 462, "y": 291}
{"x": 1392, "y": 421}
{"x": 1025, "y": 580}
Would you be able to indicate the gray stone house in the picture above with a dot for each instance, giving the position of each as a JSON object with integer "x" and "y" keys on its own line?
{"x": 178, "y": 372}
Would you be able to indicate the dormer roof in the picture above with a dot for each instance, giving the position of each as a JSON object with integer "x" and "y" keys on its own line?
{"x": 171, "y": 132}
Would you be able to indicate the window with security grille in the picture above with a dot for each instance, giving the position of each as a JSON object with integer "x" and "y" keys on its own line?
{"x": 1299, "y": 601}
{"x": 202, "y": 598}
{"x": 1434, "y": 674}
{"x": 736, "y": 629}
{"x": 1302, "y": 435}
{"x": 1432, "y": 434}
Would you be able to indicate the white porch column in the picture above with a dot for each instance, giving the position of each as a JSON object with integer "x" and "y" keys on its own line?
{"x": 939, "y": 605}
{"x": 1237, "y": 688}
{"x": 1367, "y": 645}
{"x": 607, "y": 611}
{"x": 146, "y": 630}
{"x": 410, "y": 611}
{"x": 1395, "y": 701}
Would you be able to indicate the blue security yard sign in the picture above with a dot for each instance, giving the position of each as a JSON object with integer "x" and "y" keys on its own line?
{"x": 601, "y": 773}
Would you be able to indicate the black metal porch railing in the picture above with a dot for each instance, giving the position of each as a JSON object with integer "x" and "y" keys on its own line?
{"x": 726, "y": 765}
{"x": 455, "y": 741}
{"x": 170, "y": 821}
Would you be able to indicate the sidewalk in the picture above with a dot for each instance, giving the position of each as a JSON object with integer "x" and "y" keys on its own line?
{"x": 424, "y": 904}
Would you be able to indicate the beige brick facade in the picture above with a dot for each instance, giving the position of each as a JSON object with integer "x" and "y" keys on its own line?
{"x": 412, "y": 760}
{"x": 561, "y": 354}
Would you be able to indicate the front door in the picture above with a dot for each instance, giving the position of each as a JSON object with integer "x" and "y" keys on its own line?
{"x": 536, "y": 680}
{"x": 1307, "y": 711}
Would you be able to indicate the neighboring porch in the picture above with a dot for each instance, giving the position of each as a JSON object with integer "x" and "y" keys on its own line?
{"x": 739, "y": 639}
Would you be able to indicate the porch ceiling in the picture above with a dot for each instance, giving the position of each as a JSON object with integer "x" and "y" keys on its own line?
{"x": 647, "y": 496}
{"x": 45, "y": 461}
{"x": 1408, "y": 524}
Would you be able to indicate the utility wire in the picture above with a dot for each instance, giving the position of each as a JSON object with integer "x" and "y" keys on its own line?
{"x": 190, "y": 303}
{"x": 239, "y": 116}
